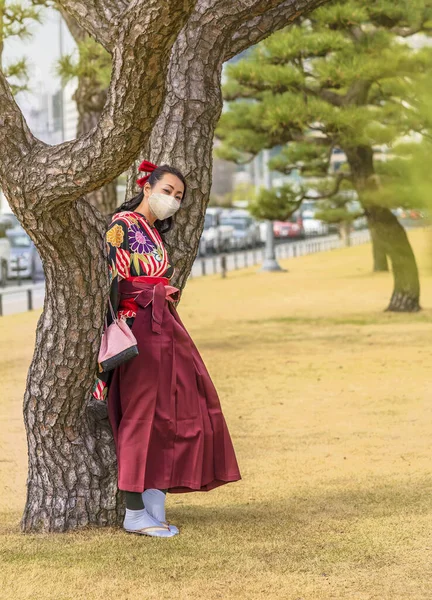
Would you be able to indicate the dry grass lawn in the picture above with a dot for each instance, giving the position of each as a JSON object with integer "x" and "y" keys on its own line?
{"x": 328, "y": 401}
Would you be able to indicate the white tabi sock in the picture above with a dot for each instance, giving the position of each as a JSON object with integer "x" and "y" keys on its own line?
{"x": 154, "y": 501}
{"x": 137, "y": 519}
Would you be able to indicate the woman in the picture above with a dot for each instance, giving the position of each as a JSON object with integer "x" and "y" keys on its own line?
{"x": 169, "y": 430}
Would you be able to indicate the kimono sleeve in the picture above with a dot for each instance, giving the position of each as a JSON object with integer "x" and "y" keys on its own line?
{"x": 118, "y": 267}
{"x": 118, "y": 260}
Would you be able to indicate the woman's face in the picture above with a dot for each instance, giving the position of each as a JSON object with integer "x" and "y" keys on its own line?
{"x": 169, "y": 184}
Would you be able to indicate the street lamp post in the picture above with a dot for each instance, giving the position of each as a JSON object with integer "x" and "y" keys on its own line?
{"x": 61, "y": 94}
{"x": 269, "y": 263}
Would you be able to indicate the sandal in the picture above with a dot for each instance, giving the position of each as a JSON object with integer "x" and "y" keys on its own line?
{"x": 152, "y": 531}
{"x": 171, "y": 527}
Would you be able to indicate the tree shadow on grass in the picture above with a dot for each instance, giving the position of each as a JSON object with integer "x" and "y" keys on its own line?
{"x": 384, "y": 318}
{"x": 312, "y": 531}
{"x": 382, "y": 500}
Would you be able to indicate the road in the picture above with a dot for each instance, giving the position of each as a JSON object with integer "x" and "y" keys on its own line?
{"x": 19, "y": 298}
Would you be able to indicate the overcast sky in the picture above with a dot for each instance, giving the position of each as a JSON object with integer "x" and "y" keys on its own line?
{"x": 42, "y": 51}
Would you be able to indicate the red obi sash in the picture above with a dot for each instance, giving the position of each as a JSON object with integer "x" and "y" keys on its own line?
{"x": 136, "y": 292}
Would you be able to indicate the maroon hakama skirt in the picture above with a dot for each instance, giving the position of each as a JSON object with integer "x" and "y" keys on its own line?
{"x": 166, "y": 417}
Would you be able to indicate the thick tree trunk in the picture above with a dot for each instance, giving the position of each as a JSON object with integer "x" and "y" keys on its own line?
{"x": 393, "y": 240}
{"x": 72, "y": 469}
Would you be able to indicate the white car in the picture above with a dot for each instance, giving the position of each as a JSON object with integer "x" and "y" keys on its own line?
{"x": 246, "y": 229}
{"x": 5, "y": 249}
{"x": 21, "y": 253}
{"x": 311, "y": 225}
{"x": 315, "y": 227}
{"x": 217, "y": 236}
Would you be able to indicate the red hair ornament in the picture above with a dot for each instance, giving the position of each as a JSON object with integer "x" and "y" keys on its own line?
{"x": 145, "y": 166}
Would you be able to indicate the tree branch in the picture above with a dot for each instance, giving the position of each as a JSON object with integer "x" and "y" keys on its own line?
{"x": 257, "y": 27}
{"x": 339, "y": 178}
{"x": 61, "y": 173}
{"x": 77, "y": 32}
{"x": 357, "y": 93}
{"x": 97, "y": 17}
{"x": 409, "y": 31}
{"x": 331, "y": 97}
{"x": 16, "y": 138}
{"x": 356, "y": 33}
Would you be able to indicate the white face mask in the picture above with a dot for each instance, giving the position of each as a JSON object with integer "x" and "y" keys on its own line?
{"x": 163, "y": 205}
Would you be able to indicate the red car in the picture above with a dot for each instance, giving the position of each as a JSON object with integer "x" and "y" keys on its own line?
{"x": 293, "y": 228}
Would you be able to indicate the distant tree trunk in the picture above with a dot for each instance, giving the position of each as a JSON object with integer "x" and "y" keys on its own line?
{"x": 380, "y": 262}
{"x": 90, "y": 97}
{"x": 393, "y": 240}
{"x": 345, "y": 233}
{"x": 406, "y": 292}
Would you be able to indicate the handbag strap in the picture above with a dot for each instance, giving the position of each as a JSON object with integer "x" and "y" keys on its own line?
{"x": 114, "y": 316}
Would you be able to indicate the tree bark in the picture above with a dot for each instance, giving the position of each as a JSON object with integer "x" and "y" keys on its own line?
{"x": 393, "y": 240}
{"x": 406, "y": 291}
{"x": 380, "y": 262}
{"x": 72, "y": 462}
{"x": 72, "y": 476}
{"x": 90, "y": 97}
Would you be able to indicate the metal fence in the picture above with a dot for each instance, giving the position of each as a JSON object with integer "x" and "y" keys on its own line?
{"x": 290, "y": 249}
{"x": 20, "y": 298}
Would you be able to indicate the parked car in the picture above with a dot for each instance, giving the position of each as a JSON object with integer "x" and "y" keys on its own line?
{"x": 22, "y": 249}
{"x": 5, "y": 249}
{"x": 38, "y": 273}
{"x": 312, "y": 225}
{"x": 242, "y": 236}
{"x": 292, "y": 228}
{"x": 408, "y": 214}
{"x": 217, "y": 236}
{"x": 254, "y": 225}
{"x": 202, "y": 248}
{"x": 246, "y": 232}
{"x": 9, "y": 221}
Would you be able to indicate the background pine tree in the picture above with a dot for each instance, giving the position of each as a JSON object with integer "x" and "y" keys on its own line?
{"x": 342, "y": 78}
{"x": 15, "y": 21}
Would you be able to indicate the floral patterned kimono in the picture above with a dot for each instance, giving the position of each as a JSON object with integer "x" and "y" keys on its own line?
{"x": 134, "y": 248}
{"x": 165, "y": 414}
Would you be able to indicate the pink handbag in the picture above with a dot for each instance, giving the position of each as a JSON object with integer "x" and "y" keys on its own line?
{"x": 118, "y": 344}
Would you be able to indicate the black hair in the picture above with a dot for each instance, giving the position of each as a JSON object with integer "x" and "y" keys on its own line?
{"x": 166, "y": 224}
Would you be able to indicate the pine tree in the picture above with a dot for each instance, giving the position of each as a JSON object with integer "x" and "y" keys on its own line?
{"x": 15, "y": 19}
{"x": 90, "y": 65}
{"x": 341, "y": 79}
